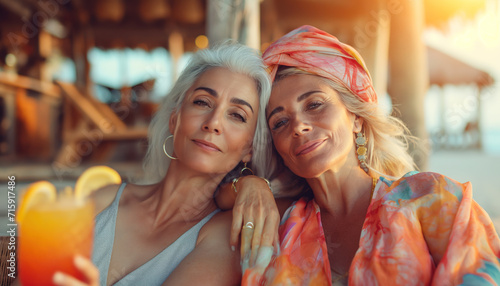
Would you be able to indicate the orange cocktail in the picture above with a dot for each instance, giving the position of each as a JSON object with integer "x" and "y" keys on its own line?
{"x": 50, "y": 235}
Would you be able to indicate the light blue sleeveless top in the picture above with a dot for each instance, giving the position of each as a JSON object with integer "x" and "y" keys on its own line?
{"x": 153, "y": 272}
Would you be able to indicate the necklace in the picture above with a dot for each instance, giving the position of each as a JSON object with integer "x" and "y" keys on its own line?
{"x": 343, "y": 276}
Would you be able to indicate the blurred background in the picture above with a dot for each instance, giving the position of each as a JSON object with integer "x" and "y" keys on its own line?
{"x": 80, "y": 80}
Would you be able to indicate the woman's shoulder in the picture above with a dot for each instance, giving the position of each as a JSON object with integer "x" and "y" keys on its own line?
{"x": 415, "y": 176}
{"x": 103, "y": 197}
{"x": 217, "y": 228}
{"x": 414, "y": 185}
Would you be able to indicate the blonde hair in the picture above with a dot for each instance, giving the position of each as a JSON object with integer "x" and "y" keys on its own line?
{"x": 387, "y": 136}
{"x": 235, "y": 57}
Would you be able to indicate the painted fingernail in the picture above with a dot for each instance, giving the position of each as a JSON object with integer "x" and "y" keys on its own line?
{"x": 233, "y": 248}
{"x": 58, "y": 278}
{"x": 264, "y": 256}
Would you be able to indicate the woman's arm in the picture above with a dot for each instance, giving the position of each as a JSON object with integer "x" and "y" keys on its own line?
{"x": 461, "y": 237}
{"x": 226, "y": 197}
{"x": 212, "y": 262}
{"x": 428, "y": 211}
{"x": 253, "y": 203}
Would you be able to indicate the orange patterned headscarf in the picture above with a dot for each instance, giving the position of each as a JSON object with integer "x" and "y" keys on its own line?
{"x": 320, "y": 53}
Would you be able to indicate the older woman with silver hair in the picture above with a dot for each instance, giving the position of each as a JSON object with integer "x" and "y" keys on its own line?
{"x": 362, "y": 216}
{"x": 209, "y": 127}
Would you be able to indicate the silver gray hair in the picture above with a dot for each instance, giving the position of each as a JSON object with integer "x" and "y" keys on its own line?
{"x": 235, "y": 57}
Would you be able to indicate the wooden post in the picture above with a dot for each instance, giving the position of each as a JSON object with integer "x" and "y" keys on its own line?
{"x": 479, "y": 143}
{"x": 237, "y": 20}
{"x": 8, "y": 122}
{"x": 176, "y": 49}
{"x": 80, "y": 57}
{"x": 442, "y": 107}
{"x": 409, "y": 74}
{"x": 45, "y": 50}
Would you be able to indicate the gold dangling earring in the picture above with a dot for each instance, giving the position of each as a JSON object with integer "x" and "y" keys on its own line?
{"x": 165, "y": 149}
{"x": 361, "y": 150}
{"x": 245, "y": 168}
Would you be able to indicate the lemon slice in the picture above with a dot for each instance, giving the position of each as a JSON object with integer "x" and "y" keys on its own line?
{"x": 95, "y": 178}
{"x": 37, "y": 193}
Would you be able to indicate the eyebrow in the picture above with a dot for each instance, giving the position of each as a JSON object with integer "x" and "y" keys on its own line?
{"x": 241, "y": 102}
{"x": 306, "y": 95}
{"x": 299, "y": 99}
{"x": 209, "y": 90}
{"x": 233, "y": 100}
{"x": 276, "y": 110}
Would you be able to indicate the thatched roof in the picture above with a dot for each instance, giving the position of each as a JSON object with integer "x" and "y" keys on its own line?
{"x": 445, "y": 69}
{"x": 147, "y": 23}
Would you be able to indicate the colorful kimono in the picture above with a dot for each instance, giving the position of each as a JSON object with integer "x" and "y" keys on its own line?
{"x": 423, "y": 229}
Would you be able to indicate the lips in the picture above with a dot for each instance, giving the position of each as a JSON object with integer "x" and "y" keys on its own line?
{"x": 206, "y": 145}
{"x": 309, "y": 147}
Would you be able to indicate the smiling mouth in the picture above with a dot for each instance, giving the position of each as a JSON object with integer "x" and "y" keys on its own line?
{"x": 309, "y": 147}
{"x": 206, "y": 145}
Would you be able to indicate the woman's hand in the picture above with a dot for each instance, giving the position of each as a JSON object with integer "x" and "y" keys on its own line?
{"x": 86, "y": 267}
{"x": 256, "y": 216}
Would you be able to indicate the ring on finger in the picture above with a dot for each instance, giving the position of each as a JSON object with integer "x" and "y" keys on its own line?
{"x": 248, "y": 225}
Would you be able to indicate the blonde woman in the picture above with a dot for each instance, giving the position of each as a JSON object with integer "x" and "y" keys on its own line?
{"x": 362, "y": 217}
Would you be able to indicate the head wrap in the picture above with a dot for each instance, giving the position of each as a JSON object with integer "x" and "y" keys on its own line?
{"x": 320, "y": 53}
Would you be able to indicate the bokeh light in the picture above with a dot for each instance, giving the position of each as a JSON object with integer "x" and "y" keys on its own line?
{"x": 489, "y": 30}
{"x": 10, "y": 60}
{"x": 201, "y": 41}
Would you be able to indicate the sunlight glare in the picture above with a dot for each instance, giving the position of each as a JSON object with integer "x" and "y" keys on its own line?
{"x": 488, "y": 29}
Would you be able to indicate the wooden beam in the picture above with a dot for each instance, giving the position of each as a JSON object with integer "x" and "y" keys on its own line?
{"x": 130, "y": 34}
{"x": 87, "y": 108}
{"x": 240, "y": 21}
{"x": 17, "y": 7}
{"x": 130, "y": 134}
{"x": 18, "y": 81}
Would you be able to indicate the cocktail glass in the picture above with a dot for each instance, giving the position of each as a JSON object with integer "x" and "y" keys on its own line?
{"x": 50, "y": 235}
